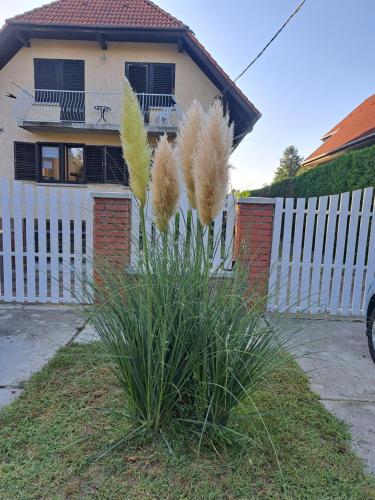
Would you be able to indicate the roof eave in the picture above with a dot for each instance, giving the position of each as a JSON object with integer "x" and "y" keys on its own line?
{"x": 347, "y": 145}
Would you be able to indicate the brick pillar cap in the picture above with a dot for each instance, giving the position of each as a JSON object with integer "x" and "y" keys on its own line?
{"x": 126, "y": 196}
{"x": 257, "y": 201}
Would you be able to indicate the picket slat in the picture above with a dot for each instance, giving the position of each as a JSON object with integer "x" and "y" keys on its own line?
{"x": 78, "y": 246}
{"x": 66, "y": 260}
{"x": 370, "y": 274}
{"x": 7, "y": 242}
{"x": 54, "y": 242}
{"x": 285, "y": 254}
{"x": 229, "y": 232}
{"x": 296, "y": 256}
{"x": 42, "y": 243}
{"x": 30, "y": 243}
{"x": 18, "y": 239}
{"x": 274, "y": 261}
{"x": 306, "y": 259}
{"x": 361, "y": 252}
{"x": 318, "y": 252}
{"x": 350, "y": 252}
{"x": 339, "y": 255}
{"x": 328, "y": 253}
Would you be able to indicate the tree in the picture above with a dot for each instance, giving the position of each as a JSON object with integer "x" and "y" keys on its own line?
{"x": 290, "y": 163}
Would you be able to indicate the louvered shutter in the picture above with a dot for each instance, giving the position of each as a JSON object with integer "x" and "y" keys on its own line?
{"x": 163, "y": 78}
{"x": 116, "y": 171}
{"x": 25, "y": 165}
{"x": 72, "y": 75}
{"x": 46, "y": 74}
{"x": 137, "y": 76}
{"x": 94, "y": 164}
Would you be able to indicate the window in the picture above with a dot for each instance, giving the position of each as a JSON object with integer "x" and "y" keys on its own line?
{"x": 61, "y": 81}
{"x": 151, "y": 78}
{"x": 71, "y": 163}
{"x": 74, "y": 165}
{"x": 61, "y": 163}
{"x": 50, "y": 165}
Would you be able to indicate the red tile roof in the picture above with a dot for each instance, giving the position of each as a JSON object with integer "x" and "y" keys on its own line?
{"x": 359, "y": 123}
{"x": 117, "y": 13}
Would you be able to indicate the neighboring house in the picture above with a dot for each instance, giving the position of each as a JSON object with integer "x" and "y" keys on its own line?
{"x": 355, "y": 131}
{"x": 61, "y": 73}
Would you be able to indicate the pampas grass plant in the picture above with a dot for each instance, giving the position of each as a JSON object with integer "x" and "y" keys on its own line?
{"x": 135, "y": 146}
{"x": 187, "y": 141}
{"x": 211, "y": 163}
{"x": 185, "y": 344}
{"x": 165, "y": 183}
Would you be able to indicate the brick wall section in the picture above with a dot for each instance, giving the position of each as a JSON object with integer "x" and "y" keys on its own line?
{"x": 112, "y": 228}
{"x": 254, "y": 226}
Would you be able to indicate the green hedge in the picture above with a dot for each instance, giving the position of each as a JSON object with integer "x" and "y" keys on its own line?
{"x": 354, "y": 170}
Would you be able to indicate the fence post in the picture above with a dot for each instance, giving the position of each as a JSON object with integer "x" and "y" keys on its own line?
{"x": 253, "y": 243}
{"x": 112, "y": 228}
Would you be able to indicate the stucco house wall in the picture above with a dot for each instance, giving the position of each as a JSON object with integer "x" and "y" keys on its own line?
{"x": 104, "y": 72}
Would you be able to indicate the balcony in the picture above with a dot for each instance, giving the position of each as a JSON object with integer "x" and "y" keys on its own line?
{"x": 85, "y": 111}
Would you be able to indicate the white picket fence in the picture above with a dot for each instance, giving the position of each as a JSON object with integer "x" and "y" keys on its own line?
{"x": 222, "y": 230}
{"x": 323, "y": 253}
{"x": 45, "y": 242}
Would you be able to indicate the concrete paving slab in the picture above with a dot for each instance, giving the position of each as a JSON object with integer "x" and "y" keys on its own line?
{"x": 29, "y": 337}
{"x": 336, "y": 359}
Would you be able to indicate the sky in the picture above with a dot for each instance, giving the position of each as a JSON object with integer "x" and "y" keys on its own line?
{"x": 318, "y": 69}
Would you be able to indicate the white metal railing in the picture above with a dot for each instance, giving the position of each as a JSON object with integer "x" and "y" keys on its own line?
{"x": 93, "y": 109}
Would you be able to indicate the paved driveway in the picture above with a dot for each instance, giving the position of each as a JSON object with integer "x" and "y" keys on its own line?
{"x": 341, "y": 371}
{"x": 29, "y": 337}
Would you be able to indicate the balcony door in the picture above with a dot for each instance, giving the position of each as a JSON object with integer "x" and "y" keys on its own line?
{"x": 154, "y": 83}
{"x": 61, "y": 82}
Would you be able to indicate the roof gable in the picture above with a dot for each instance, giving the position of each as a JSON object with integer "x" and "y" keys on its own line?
{"x": 124, "y": 13}
{"x": 357, "y": 124}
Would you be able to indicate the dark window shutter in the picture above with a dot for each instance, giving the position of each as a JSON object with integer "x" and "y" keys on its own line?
{"x": 46, "y": 74}
{"x": 116, "y": 171}
{"x": 72, "y": 75}
{"x": 137, "y": 76}
{"x": 163, "y": 78}
{"x": 94, "y": 164}
{"x": 25, "y": 168}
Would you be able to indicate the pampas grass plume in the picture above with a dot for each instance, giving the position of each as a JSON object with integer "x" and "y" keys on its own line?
{"x": 136, "y": 150}
{"x": 165, "y": 183}
{"x": 187, "y": 141}
{"x": 211, "y": 163}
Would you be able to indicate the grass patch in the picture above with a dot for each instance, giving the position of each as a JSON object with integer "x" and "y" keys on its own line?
{"x": 70, "y": 411}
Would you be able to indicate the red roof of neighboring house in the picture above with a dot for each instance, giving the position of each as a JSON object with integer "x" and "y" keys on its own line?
{"x": 124, "y": 13}
{"x": 359, "y": 123}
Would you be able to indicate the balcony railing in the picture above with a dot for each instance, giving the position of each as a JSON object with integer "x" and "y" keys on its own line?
{"x": 92, "y": 110}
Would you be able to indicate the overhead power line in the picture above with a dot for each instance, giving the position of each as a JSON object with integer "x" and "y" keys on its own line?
{"x": 294, "y": 13}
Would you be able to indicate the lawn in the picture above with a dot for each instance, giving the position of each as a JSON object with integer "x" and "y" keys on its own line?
{"x": 51, "y": 437}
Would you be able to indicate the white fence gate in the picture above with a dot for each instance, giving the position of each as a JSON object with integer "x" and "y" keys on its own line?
{"x": 45, "y": 242}
{"x": 222, "y": 230}
{"x": 323, "y": 253}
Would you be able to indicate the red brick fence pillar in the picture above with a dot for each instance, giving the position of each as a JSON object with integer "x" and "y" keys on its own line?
{"x": 254, "y": 227}
{"x": 112, "y": 227}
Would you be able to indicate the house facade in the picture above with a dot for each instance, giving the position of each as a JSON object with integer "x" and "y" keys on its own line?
{"x": 62, "y": 68}
{"x": 355, "y": 131}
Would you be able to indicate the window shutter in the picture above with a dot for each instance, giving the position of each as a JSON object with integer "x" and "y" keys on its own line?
{"x": 72, "y": 75}
{"x": 25, "y": 168}
{"x": 116, "y": 171}
{"x": 46, "y": 74}
{"x": 137, "y": 76}
{"x": 163, "y": 78}
{"x": 94, "y": 164}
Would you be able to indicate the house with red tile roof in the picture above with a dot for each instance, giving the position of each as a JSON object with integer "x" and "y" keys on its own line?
{"x": 62, "y": 67}
{"x": 355, "y": 131}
